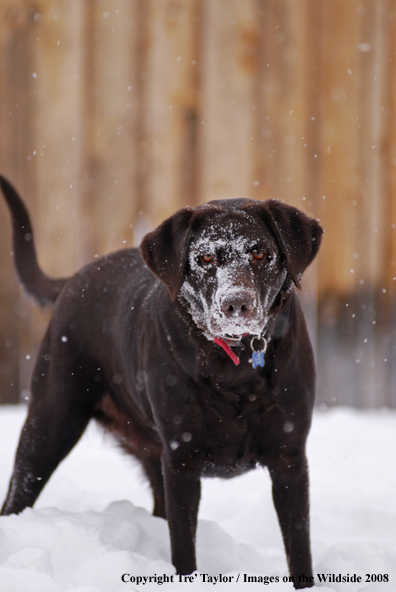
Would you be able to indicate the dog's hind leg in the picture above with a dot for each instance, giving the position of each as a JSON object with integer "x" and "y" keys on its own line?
{"x": 153, "y": 469}
{"x": 60, "y": 409}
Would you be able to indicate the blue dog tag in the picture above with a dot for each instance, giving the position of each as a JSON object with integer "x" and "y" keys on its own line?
{"x": 258, "y": 359}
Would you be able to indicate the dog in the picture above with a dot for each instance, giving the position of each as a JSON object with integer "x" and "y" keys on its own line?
{"x": 193, "y": 351}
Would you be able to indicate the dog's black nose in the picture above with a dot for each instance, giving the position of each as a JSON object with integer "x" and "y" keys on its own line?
{"x": 235, "y": 305}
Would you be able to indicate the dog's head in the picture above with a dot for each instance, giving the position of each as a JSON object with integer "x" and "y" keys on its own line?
{"x": 230, "y": 259}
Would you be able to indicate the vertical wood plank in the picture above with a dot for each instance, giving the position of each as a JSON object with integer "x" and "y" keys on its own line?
{"x": 228, "y": 98}
{"x": 339, "y": 145}
{"x": 43, "y": 146}
{"x": 170, "y": 105}
{"x": 338, "y": 162}
{"x": 371, "y": 218}
{"x": 111, "y": 109}
{"x": 58, "y": 97}
{"x": 389, "y": 309}
{"x": 370, "y": 243}
{"x": 15, "y": 149}
{"x": 282, "y": 104}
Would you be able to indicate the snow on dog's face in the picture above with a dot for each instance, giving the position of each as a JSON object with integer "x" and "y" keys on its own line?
{"x": 227, "y": 260}
{"x": 234, "y": 272}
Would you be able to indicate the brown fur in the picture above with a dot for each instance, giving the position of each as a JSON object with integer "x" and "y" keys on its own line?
{"x": 123, "y": 348}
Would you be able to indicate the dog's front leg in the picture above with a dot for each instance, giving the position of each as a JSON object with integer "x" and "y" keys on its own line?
{"x": 290, "y": 490}
{"x": 182, "y": 494}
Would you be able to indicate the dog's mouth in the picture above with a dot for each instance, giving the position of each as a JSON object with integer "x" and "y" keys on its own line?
{"x": 232, "y": 339}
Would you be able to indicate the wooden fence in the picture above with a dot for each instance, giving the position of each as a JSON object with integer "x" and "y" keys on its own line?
{"x": 114, "y": 113}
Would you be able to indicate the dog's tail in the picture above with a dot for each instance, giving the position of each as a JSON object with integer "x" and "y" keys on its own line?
{"x": 42, "y": 288}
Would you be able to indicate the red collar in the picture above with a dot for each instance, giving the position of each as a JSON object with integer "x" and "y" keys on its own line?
{"x": 222, "y": 343}
{"x": 258, "y": 354}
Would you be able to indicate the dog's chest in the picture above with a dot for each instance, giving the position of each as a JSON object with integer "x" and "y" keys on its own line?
{"x": 238, "y": 435}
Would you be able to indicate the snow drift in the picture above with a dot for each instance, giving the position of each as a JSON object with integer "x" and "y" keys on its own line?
{"x": 91, "y": 530}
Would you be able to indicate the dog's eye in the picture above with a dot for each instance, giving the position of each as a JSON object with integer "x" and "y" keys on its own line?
{"x": 258, "y": 255}
{"x": 207, "y": 258}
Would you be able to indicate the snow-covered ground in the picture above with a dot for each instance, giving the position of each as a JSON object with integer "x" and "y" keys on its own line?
{"x": 92, "y": 523}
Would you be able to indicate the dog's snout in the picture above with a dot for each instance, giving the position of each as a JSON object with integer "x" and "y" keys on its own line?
{"x": 239, "y": 304}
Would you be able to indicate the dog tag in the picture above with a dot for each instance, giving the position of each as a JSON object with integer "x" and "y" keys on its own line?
{"x": 258, "y": 355}
{"x": 258, "y": 359}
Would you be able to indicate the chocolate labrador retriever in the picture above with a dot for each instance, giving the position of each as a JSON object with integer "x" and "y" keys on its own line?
{"x": 193, "y": 351}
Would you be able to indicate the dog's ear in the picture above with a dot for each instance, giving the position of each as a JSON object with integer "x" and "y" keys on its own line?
{"x": 297, "y": 235}
{"x": 165, "y": 249}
